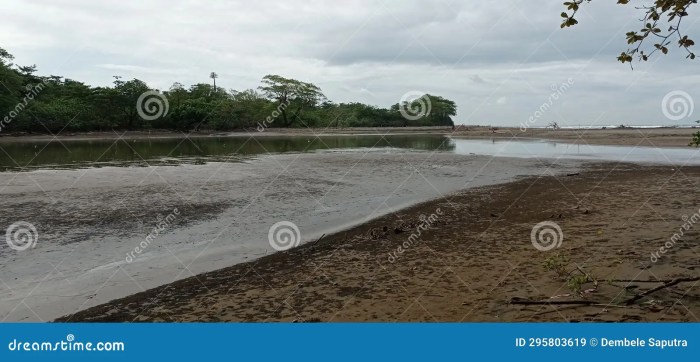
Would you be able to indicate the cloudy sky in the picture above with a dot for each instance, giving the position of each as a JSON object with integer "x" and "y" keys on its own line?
{"x": 499, "y": 60}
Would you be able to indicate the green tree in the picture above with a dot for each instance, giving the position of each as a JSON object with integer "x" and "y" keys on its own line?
{"x": 442, "y": 111}
{"x": 125, "y": 99}
{"x": 287, "y": 93}
{"x": 696, "y": 138}
{"x": 12, "y": 84}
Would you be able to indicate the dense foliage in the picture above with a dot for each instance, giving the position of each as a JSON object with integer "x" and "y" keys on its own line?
{"x": 31, "y": 103}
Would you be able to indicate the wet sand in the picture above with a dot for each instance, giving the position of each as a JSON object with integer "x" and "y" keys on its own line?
{"x": 89, "y": 220}
{"x": 476, "y": 261}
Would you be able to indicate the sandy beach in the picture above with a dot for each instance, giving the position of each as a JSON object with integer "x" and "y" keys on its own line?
{"x": 402, "y": 181}
{"x": 475, "y": 263}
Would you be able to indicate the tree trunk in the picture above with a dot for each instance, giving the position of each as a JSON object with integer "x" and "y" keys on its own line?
{"x": 284, "y": 118}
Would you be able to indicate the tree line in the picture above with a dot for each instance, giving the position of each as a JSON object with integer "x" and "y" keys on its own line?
{"x": 39, "y": 104}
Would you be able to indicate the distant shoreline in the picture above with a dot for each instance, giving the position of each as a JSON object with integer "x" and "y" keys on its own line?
{"x": 648, "y": 137}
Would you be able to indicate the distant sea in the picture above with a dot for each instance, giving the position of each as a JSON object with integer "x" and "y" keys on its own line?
{"x": 618, "y": 126}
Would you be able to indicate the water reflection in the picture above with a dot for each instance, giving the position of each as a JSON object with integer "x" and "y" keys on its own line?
{"x": 70, "y": 154}
{"x": 553, "y": 150}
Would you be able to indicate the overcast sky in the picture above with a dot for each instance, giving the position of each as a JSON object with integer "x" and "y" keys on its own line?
{"x": 499, "y": 60}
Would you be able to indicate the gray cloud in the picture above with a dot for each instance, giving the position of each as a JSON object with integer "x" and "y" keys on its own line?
{"x": 497, "y": 60}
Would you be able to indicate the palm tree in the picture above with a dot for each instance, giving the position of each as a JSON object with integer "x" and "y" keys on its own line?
{"x": 213, "y": 76}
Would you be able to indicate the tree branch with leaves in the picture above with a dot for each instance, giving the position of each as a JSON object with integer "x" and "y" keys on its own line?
{"x": 657, "y": 16}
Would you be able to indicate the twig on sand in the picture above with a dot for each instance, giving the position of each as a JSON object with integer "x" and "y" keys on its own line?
{"x": 553, "y": 310}
{"x": 590, "y": 278}
{"x": 592, "y": 303}
{"x": 319, "y": 239}
{"x": 664, "y": 281}
{"x": 524, "y": 301}
{"x": 574, "y": 306}
{"x": 666, "y": 284}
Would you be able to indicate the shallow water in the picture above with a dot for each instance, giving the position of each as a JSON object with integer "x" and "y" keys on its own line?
{"x": 89, "y": 219}
{"x": 89, "y": 153}
{"x": 197, "y": 150}
{"x": 560, "y": 150}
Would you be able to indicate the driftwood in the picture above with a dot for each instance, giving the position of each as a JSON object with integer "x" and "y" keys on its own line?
{"x": 319, "y": 239}
{"x": 574, "y": 306}
{"x": 666, "y": 284}
{"x": 664, "y": 281}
